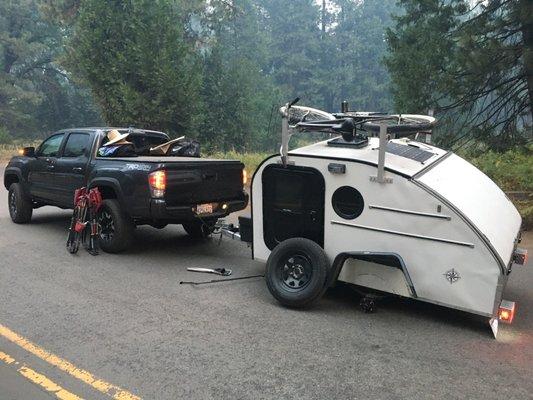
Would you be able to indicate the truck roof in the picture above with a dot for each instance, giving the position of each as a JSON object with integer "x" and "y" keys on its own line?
{"x": 404, "y": 156}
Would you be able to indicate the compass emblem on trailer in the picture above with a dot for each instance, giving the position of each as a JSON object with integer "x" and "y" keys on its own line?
{"x": 452, "y": 276}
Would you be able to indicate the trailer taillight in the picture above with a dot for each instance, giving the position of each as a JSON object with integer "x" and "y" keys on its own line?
{"x": 506, "y": 311}
{"x": 158, "y": 183}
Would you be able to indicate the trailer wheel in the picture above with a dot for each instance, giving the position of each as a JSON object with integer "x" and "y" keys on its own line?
{"x": 296, "y": 272}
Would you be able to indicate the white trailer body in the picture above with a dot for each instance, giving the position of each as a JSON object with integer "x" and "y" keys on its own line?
{"x": 435, "y": 229}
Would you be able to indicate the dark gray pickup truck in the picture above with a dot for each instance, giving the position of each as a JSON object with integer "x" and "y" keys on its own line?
{"x": 149, "y": 190}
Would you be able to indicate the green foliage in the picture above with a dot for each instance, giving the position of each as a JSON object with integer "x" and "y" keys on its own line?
{"x": 250, "y": 160}
{"x": 471, "y": 62}
{"x": 36, "y": 95}
{"x": 511, "y": 170}
{"x": 513, "y": 173}
{"x": 238, "y": 96}
{"x": 139, "y": 62}
{"x": 217, "y": 70}
{"x": 260, "y": 54}
{"x": 5, "y": 137}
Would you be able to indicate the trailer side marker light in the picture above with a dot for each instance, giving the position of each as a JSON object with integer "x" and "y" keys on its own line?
{"x": 506, "y": 311}
{"x": 244, "y": 177}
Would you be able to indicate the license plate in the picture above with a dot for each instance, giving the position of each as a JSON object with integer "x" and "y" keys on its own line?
{"x": 204, "y": 208}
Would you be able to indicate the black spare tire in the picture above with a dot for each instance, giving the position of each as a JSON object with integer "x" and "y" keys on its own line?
{"x": 296, "y": 272}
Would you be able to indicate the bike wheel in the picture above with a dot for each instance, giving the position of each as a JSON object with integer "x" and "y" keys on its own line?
{"x": 302, "y": 113}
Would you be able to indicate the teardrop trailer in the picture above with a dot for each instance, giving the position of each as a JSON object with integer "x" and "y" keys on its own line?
{"x": 376, "y": 209}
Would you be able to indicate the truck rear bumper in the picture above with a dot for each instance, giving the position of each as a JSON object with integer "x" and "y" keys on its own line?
{"x": 159, "y": 210}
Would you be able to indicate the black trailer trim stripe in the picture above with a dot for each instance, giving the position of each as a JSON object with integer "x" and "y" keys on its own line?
{"x": 413, "y": 235}
{"x": 421, "y": 214}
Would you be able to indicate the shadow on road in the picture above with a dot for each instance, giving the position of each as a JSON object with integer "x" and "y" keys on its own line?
{"x": 346, "y": 296}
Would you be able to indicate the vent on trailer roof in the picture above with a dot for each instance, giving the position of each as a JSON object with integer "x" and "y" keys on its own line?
{"x": 411, "y": 152}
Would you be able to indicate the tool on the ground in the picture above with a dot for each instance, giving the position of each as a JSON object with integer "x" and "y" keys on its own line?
{"x": 84, "y": 221}
{"x": 216, "y": 271}
{"x": 220, "y": 280}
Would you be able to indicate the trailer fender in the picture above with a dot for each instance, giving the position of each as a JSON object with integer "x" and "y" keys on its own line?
{"x": 392, "y": 260}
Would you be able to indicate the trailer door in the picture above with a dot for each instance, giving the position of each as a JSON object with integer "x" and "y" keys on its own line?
{"x": 293, "y": 204}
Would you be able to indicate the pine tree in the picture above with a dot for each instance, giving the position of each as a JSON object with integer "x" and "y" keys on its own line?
{"x": 472, "y": 62}
{"x": 139, "y": 62}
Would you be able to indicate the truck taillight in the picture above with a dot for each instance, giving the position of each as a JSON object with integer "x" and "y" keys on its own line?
{"x": 158, "y": 183}
{"x": 506, "y": 311}
{"x": 244, "y": 177}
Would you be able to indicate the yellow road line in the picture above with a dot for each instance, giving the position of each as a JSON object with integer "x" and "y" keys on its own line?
{"x": 102, "y": 386}
{"x": 39, "y": 379}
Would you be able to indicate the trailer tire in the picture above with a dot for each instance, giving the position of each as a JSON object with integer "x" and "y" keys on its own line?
{"x": 116, "y": 228}
{"x": 200, "y": 229}
{"x": 296, "y": 272}
{"x": 20, "y": 206}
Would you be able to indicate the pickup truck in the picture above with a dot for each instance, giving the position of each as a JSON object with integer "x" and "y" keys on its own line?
{"x": 139, "y": 190}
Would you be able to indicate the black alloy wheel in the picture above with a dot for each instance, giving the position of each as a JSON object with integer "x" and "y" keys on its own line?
{"x": 107, "y": 226}
{"x": 116, "y": 228}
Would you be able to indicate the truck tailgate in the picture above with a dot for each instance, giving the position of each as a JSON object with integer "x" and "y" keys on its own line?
{"x": 203, "y": 181}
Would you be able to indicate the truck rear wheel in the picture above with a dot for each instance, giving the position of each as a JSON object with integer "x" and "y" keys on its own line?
{"x": 20, "y": 206}
{"x": 116, "y": 227}
{"x": 200, "y": 229}
{"x": 296, "y": 272}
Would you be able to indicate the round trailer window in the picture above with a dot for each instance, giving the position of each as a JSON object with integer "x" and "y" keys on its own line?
{"x": 347, "y": 202}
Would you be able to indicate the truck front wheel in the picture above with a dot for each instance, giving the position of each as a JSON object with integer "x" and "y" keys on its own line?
{"x": 116, "y": 228}
{"x": 20, "y": 206}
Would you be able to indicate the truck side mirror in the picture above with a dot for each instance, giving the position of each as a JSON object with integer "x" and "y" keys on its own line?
{"x": 27, "y": 151}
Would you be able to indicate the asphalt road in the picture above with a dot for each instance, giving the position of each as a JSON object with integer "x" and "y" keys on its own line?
{"x": 126, "y": 320}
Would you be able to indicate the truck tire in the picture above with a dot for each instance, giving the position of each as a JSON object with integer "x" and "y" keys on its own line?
{"x": 116, "y": 227}
{"x": 296, "y": 272}
{"x": 200, "y": 229}
{"x": 20, "y": 206}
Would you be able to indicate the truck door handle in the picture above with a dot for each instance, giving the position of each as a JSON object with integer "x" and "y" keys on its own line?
{"x": 77, "y": 169}
{"x": 50, "y": 167}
